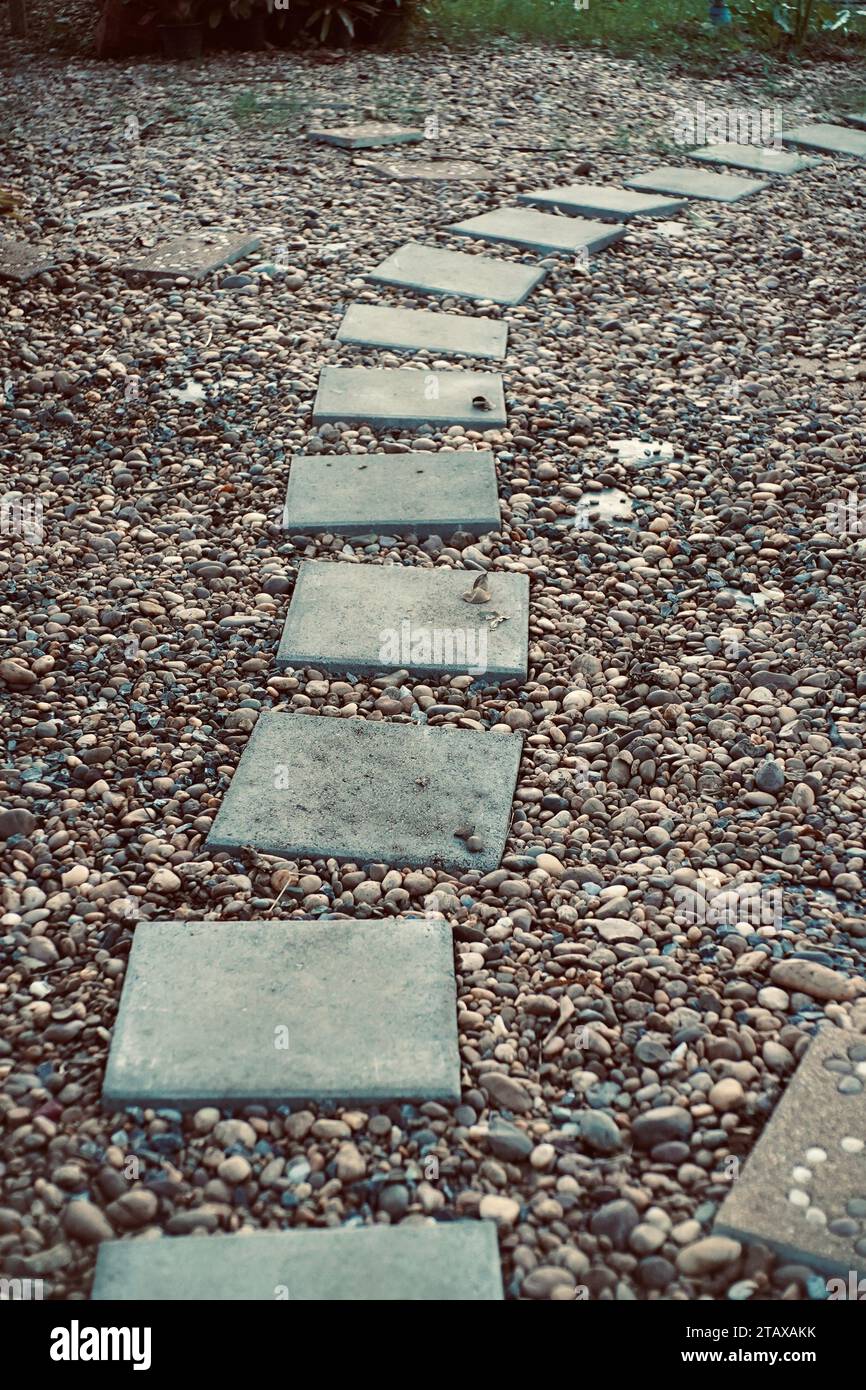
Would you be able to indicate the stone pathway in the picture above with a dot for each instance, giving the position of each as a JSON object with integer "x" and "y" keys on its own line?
{"x": 803, "y": 1192}
{"x": 604, "y": 201}
{"x": 454, "y": 1261}
{"x": 413, "y": 330}
{"x": 694, "y": 183}
{"x": 382, "y": 397}
{"x": 828, "y": 139}
{"x": 369, "y": 135}
{"x": 763, "y": 161}
{"x": 362, "y": 618}
{"x": 396, "y": 494}
{"x": 318, "y": 1011}
{"x": 372, "y": 793}
{"x": 430, "y": 270}
{"x": 259, "y": 1026}
{"x": 192, "y": 257}
{"x": 20, "y": 261}
{"x": 539, "y": 231}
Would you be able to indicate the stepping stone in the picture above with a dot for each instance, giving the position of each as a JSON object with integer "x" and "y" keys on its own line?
{"x": 803, "y": 1189}
{"x": 446, "y": 1261}
{"x": 367, "y": 135}
{"x": 231, "y": 1013}
{"x": 412, "y": 329}
{"x": 353, "y": 789}
{"x": 193, "y": 257}
{"x": 765, "y": 161}
{"x": 430, "y": 270}
{"x": 830, "y": 139}
{"x": 609, "y": 504}
{"x": 694, "y": 183}
{"x": 116, "y": 210}
{"x": 20, "y": 261}
{"x": 393, "y": 494}
{"x": 540, "y": 231}
{"x": 431, "y": 170}
{"x": 857, "y": 119}
{"x": 602, "y": 200}
{"x": 404, "y": 397}
{"x": 369, "y": 618}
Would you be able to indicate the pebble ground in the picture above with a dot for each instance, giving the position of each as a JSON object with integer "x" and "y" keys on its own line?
{"x": 694, "y": 709}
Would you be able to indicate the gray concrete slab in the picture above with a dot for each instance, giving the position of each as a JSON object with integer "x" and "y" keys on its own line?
{"x": 449, "y": 1261}
{"x": 430, "y": 270}
{"x": 116, "y": 210}
{"x": 356, "y": 789}
{"x": 193, "y": 257}
{"x": 406, "y": 397}
{"x": 856, "y": 118}
{"x": 762, "y": 160}
{"x": 393, "y": 494}
{"x": 696, "y": 183}
{"x": 829, "y": 139}
{"x": 409, "y": 330}
{"x": 19, "y": 261}
{"x": 369, "y": 618}
{"x": 431, "y": 170}
{"x": 602, "y": 200}
{"x": 231, "y": 1013}
{"x": 803, "y": 1189}
{"x": 367, "y": 135}
{"x": 539, "y": 231}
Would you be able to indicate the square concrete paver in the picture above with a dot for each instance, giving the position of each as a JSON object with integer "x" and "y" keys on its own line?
{"x": 393, "y": 494}
{"x": 313, "y": 787}
{"x": 803, "y": 1189}
{"x": 602, "y": 200}
{"x": 762, "y": 160}
{"x": 193, "y": 257}
{"x": 20, "y": 261}
{"x": 430, "y": 270}
{"x": 404, "y": 397}
{"x": 539, "y": 231}
{"x": 243, "y": 1013}
{"x": 367, "y": 135}
{"x": 369, "y": 618}
{"x": 695, "y": 183}
{"x": 409, "y": 330}
{"x": 829, "y": 139}
{"x": 431, "y": 170}
{"x": 449, "y": 1261}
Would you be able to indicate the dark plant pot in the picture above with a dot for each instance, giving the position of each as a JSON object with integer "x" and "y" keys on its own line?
{"x": 181, "y": 40}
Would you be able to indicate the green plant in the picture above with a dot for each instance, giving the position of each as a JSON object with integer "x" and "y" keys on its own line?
{"x": 345, "y": 18}
{"x": 790, "y": 23}
{"x": 220, "y": 10}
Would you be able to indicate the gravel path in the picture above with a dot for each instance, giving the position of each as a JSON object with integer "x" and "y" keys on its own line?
{"x": 681, "y": 898}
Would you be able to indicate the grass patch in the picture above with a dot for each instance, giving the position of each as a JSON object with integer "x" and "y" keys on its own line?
{"x": 248, "y": 106}
{"x": 669, "y": 29}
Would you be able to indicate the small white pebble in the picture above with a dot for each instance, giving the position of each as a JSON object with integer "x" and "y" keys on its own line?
{"x": 816, "y": 1155}
{"x": 801, "y": 1175}
{"x": 797, "y": 1198}
{"x": 816, "y": 1216}
{"x": 850, "y": 1145}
